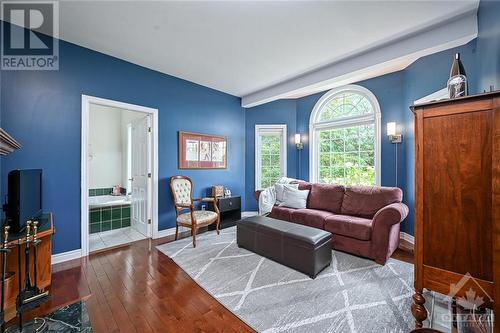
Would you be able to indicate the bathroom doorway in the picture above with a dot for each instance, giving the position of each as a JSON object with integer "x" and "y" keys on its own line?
{"x": 119, "y": 173}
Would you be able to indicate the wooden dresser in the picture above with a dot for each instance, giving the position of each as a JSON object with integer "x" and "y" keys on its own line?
{"x": 457, "y": 205}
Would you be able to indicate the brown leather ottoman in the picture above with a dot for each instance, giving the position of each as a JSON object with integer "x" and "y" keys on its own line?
{"x": 300, "y": 247}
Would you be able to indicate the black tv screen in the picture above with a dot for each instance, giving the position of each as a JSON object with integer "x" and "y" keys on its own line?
{"x": 24, "y": 198}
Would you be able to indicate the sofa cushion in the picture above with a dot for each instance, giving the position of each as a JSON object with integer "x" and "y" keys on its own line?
{"x": 365, "y": 201}
{"x": 281, "y": 213}
{"x": 304, "y": 185}
{"x": 350, "y": 226}
{"x": 280, "y": 189}
{"x": 311, "y": 217}
{"x": 294, "y": 198}
{"x": 326, "y": 197}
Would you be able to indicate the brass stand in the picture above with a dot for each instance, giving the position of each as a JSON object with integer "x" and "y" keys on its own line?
{"x": 30, "y": 297}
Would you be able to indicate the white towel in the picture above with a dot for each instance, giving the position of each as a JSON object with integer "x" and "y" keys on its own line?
{"x": 267, "y": 197}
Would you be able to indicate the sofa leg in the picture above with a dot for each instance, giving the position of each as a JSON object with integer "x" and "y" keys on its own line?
{"x": 380, "y": 261}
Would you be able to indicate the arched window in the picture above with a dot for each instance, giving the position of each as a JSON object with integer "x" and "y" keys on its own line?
{"x": 344, "y": 131}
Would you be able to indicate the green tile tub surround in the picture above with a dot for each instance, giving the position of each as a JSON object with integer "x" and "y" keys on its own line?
{"x": 93, "y": 192}
{"x": 109, "y": 218}
{"x": 116, "y": 213}
{"x": 125, "y": 222}
{"x": 106, "y": 226}
{"x": 106, "y": 214}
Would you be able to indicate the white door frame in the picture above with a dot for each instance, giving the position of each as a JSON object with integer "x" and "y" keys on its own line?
{"x": 86, "y": 102}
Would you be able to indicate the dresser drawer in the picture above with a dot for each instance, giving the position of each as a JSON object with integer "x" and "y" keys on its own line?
{"x": 231, "y": 203}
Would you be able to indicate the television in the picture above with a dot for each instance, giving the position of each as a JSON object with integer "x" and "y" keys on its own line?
{"x": 24, "y": 198}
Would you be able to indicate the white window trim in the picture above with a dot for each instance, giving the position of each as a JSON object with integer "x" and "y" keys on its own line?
{"x": 313, "y": 128}
{"x": 284, "y": 143}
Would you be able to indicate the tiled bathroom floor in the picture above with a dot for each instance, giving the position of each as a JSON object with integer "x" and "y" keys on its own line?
{"x": 102, "y": 240}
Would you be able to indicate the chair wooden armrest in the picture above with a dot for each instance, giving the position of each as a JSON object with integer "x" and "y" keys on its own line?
{"x": 187, "y": 206}
{"x": 213, "y": 200}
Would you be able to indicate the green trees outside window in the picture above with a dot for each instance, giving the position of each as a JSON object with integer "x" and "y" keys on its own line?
{"x": 270, "y": 160}
{"x": 347, "y": 155}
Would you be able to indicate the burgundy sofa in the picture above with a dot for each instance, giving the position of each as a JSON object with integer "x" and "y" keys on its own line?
{"x": 364, "y": 220}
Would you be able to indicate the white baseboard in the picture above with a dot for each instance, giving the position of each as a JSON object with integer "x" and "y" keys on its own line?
{"x": 66, "y": 256}
{"x": 248, "y": 214}
{"x": 407, "y": 237}
{"x": 171, "y": 231}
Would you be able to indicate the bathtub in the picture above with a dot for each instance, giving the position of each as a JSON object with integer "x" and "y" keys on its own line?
{"x": 108, "y": 200}
{"x": 108, "y": 212}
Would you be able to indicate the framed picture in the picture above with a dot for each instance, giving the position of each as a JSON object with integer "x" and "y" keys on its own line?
{"x": 202, "y": 151}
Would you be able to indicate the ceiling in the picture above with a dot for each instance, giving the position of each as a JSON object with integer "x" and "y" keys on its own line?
{"x": 242, "y": 47}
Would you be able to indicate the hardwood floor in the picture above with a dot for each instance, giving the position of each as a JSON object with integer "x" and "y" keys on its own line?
{"x": 136, "y": 288}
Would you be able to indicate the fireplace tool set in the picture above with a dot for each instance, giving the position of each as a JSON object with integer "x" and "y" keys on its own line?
{"x": 30, "y": 296}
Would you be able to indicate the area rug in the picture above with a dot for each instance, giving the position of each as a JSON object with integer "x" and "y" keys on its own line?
{"x": 351, "y": 295}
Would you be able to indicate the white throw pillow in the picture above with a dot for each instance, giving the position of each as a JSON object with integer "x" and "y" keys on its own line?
{"x": 294, "y": 198}
{"x": 280, "y": 188}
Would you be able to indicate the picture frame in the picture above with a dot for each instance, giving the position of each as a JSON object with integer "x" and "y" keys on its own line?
{"x": 202, "y": 151}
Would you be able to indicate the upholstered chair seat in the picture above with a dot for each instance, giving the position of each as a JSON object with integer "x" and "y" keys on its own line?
{"x": 200, "y": 216}
{"x": 182, "y": 192}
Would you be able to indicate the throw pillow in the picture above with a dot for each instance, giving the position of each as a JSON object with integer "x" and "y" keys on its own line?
{"x": 279, "y": 188}
{"x": 294, "y": 198}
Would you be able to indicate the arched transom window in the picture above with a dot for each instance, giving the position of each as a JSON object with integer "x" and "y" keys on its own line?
{"x": 345, "y": 137}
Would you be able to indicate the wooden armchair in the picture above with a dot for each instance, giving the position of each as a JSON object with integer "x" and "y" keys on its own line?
{"x": 182, "y": 192}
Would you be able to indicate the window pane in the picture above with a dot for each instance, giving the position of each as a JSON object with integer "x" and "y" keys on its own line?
{"x": 325, "y": 135}
{"x": 337, "y": 146}
{"x": 351, "y": 160}
{"x": 367, "y": 159}
{"x": 270, "y": 158}
{"x": 337, "y": 159}
{"x": 324, "y": 146}
{"x": 324, "y": 160}
{"x": 347, "y": 155}
{"x": 366, "y": 143}
{"x": 275, "y": 160}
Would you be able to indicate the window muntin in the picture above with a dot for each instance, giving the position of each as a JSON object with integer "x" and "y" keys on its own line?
{"x": 345, "y": 105}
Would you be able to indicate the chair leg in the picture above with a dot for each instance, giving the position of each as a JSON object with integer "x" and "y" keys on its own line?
{"x": 217, "y": 225}
{"x": 193, "y": 232}
{"x": 176, "y": 231}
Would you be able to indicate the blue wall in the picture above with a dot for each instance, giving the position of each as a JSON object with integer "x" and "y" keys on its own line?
{"x": 395, "y": 93}
{"x": 42, "y": 110}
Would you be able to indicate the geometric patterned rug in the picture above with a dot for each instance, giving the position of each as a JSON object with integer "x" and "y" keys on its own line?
{"x": 351, "y": 295}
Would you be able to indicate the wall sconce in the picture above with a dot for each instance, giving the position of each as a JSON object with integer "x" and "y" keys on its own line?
{"x": 298, "y": 142}
{"x": 392, "y": 133}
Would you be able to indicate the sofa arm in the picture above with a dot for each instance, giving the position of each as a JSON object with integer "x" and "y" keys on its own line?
{"x": 391, "y": 214}
{"x": 385, "y": 231}
{"x": 256, "y": 194}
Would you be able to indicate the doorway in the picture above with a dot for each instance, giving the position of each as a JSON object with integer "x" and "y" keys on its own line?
{"x": 119, "y": 173}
